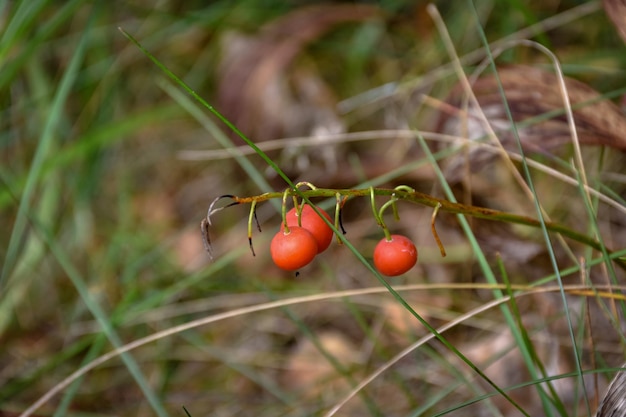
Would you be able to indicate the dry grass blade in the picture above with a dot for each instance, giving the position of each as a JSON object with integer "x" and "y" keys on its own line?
{"x": 614, "y": 402}
{"x": 452, "y": 323}
{"x": 532, "y": 93}
{"x": 616, "y": 11}
{"x": 237, "y": 312}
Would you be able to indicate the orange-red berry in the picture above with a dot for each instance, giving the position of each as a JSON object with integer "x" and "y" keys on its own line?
{"x": 395, "y": 256}
{"x": 293, "y": 250}
{"x": 312, "y": 222}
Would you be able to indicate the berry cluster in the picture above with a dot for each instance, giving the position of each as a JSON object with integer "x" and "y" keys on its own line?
{"x": 305, "y": 232}
{"x": 304, "y": 236}
{"x": 307, "y": 235}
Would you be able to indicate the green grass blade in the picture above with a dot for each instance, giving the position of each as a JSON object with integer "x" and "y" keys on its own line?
{"x": 481, "y": 258}
{"x": 42, "y": 152}
{"x": 253, "y": 173}
{"x": 66, "y": 401}
{"x": 99, "y": 314}
{"x": 10, "y": 68}
{"x": 529, "y": 180}
{"x": 209, "y": 107}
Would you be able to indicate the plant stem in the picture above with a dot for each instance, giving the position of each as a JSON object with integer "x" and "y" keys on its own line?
{"x": 430, "y": 201}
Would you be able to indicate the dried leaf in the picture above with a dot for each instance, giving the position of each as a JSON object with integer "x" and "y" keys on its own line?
{"x": 536, "y": 103}
{"x": 256, "y": 90}
{"x": 616, "y": 11}
{"x": 614, "y": 403}
{"x": 533, "y": 92}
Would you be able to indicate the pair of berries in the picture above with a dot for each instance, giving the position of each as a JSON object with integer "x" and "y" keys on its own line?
{"x": 308, "y": 235}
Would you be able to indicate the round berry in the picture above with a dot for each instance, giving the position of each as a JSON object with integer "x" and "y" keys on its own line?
{"x": 395, "y": 256}
{"x": 312, "y": 222}
{"x": 293, "y": 250}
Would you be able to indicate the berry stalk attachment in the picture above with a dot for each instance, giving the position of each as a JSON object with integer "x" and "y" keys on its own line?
{"x": 302, "y": 235}
{"x": 434, "y": 230}
{"x": 394, "y": 254}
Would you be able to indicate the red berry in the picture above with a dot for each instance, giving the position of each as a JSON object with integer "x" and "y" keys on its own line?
{"x": 395, "y": 256}
{"x": 293, "y": 250}
{"x": 312, "y": 222}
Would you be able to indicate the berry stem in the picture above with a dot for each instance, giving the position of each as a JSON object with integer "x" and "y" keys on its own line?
{"x": 378, "y": 214}
{"x": 405, "y": 188}
{"x": 338, "y": 212}
{"x": 284, "y": 211}
{"x": 308, "y": 184}
{"x": 394, "y": 208}
{"x": 395, "y": 198}
{"x": 297, "y": 205}
{"x": 434, "y": 231}
{"x": 392, "y": 203}
{"x": 252, "y": 216}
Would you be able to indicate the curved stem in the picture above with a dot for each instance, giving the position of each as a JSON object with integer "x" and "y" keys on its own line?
{"x": 378, "y": 215}
{"x": 338, "y": 221}
{"x": 308, "y": 184}
{"x": 392, "y": 203}
{"x": 434, "y": 230}
{"x": 338, "y": 211}
{"x": 252, "y": 217}
{"x": 284, "y": 212}
{"x": 300, "y": 206}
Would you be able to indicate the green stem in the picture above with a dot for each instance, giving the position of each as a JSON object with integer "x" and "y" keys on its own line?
{"x": 378, "y": 215}
{"x": 447, "y": 206}
{"x": 391, "y": 203}
{"x": 338, "y": 224}
{"x": 284, "y": 212}
{"x": 250, "y": 219}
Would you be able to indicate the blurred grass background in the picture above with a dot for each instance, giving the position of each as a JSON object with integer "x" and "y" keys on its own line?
{"x": 104, "y": 177}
